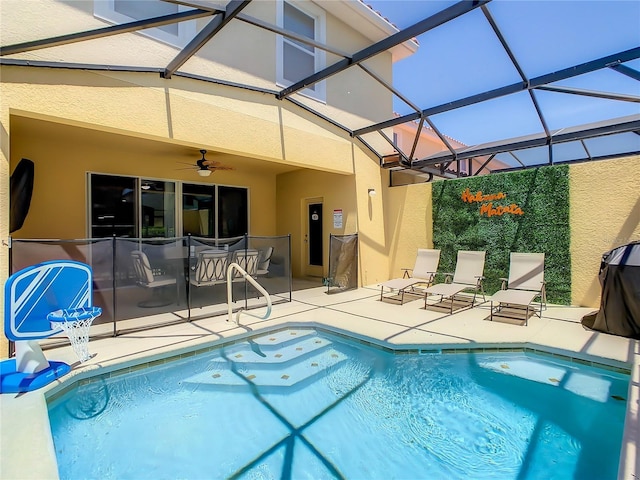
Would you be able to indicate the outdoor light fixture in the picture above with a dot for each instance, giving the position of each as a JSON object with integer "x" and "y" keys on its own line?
{"x": 372, "y": 192}
{"x": 204, "y": 173}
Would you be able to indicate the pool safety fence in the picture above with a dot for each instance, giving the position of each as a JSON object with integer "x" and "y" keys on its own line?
{"x": 343, "y": 263}
{"x": 143, "y": 283}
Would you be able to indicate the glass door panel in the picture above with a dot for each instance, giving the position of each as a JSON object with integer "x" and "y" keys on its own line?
{"x": 113, "y": 206}
{"x": 158, "y": 211}
{"x": 198, "y": 210}
{"x": 233, "y": 218}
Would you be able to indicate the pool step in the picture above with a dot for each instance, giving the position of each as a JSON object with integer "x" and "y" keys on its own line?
{"x": 283, "y": 375}
{"x": 252, "y": 355}
{"x": 277, "y": 340}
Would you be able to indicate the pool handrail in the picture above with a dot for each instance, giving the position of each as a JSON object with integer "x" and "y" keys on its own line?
{"x": 234, "y": 266}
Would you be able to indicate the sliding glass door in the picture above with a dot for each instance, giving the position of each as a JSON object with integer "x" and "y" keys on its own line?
{"x": 138, "y": 207}
{"x": 214, "y": 211}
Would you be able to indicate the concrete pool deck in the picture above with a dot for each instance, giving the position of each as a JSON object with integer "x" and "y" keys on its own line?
{"x": 27, "y": 451}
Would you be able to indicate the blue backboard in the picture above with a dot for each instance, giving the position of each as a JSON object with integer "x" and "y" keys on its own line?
{"x": 34, "y": 292}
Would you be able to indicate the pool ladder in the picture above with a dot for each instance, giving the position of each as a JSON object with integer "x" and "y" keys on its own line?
{"x": 252, "y": 281}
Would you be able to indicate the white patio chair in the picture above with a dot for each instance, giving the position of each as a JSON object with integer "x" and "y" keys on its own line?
{"x": 468, "y": 275}
{"x": 524, "y": 285}
{"x": 422, "y": 273}
{"x": 146, "y": 278}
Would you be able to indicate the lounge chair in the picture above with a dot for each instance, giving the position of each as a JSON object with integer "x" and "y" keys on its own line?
{"x": 467, "y": 276}
{"x": 524, "y": 285}
{"x": 422, "y": 274}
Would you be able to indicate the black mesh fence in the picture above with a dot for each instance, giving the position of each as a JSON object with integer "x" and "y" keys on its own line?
{"x": 145, "y": 283}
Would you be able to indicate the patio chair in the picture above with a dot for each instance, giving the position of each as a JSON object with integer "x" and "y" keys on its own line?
{"x": 147, "y": 279}
{"x": 468, "y": 275}
{"x": 248, "y": 261}
{"x": 210, "y": 268}
{"x": 422, "y": 274}
{"x": 264, "y": 259}
{"x": 524, "y": 285}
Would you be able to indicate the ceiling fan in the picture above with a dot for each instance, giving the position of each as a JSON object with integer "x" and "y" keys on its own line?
{"x": 204, "y": 167}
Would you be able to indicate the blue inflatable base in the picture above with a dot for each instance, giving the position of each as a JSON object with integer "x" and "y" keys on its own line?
{"x": 18, "y": 382}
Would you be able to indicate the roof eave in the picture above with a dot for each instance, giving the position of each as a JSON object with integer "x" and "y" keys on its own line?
{"x": 370, "y": 24}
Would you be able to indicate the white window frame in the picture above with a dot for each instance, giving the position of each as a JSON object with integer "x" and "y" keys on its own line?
{"x": 105, "y": 10}
{"x": 320, "y": 21}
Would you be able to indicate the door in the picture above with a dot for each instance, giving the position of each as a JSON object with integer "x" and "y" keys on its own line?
{"x": 313, "y": 240}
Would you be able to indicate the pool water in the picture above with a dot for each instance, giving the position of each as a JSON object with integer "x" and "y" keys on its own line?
{"x": 304, "y": 404}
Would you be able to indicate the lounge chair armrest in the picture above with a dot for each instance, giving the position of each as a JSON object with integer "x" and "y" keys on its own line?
{"x": 448, "y": 277}
{"x": 504, "y": 283}
{"x": 406, "y": 273}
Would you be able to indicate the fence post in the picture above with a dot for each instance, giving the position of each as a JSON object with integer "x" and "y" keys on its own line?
{"x": 188, "y": 282}
{"x": 114, "y": 283}
{"x": 290, "y": 275}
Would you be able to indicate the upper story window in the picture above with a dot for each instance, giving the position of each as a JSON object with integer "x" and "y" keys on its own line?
{"x": 124, "y": 11}
{"x": 296, "y": 60}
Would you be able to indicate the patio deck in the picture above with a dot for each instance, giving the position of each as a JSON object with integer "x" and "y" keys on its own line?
{"x": 27, "y": 449}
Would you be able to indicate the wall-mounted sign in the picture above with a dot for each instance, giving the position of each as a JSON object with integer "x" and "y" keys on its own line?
{"x": 487, "y": 208}
{"x": 337, "y": 218}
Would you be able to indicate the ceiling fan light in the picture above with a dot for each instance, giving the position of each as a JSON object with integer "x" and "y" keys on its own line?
{"x": 204, "y": 173}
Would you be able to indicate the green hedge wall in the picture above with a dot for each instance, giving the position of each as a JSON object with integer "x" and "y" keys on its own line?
{"x": 536, "y": 220}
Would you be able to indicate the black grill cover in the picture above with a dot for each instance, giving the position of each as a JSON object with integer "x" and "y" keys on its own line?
{"x": 619, "y": 276}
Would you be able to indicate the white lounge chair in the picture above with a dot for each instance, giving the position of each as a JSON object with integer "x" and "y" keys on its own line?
{"x": 422, "y": 274}
{"x": 524, "y": 285}
{"x": 467, "y": 276}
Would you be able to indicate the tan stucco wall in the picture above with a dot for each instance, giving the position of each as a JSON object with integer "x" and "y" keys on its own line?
{"x": 239, "y": 53}
{"x": 179, "y": 110}
{"x": 4, "y": 229}
{"x": 60, "y": 176}
{"x": 409, "y": 225}
{"x": 605, "y": 213}
{"x": 361, "y": 213}
{"x": 332, "y": 190}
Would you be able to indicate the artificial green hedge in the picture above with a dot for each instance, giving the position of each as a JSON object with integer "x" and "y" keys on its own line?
{"x": 532, "y": 215}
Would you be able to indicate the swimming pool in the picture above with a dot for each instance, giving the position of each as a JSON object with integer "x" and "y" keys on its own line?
{"x": 306, "y": 404}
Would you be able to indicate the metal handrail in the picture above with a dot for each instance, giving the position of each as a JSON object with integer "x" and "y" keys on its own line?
{"x": 252, "y": 281}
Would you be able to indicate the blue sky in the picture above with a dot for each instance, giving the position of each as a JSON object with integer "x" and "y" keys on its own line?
{"x": 464, "y": 58}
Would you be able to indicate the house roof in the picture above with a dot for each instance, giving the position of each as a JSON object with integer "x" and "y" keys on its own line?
{"x": 527, "y": 75}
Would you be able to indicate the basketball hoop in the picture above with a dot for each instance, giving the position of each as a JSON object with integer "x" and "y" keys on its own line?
{"x": 75, "y": 323}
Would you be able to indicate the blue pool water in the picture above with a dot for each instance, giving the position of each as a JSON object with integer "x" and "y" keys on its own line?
{"x": 303, "y": 404}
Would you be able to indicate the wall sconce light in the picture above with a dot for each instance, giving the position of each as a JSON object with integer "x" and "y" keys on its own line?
{"x": 372, "y": 192}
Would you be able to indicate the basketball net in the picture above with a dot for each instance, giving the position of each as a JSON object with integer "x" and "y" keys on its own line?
{"x": 78, "y": 333}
